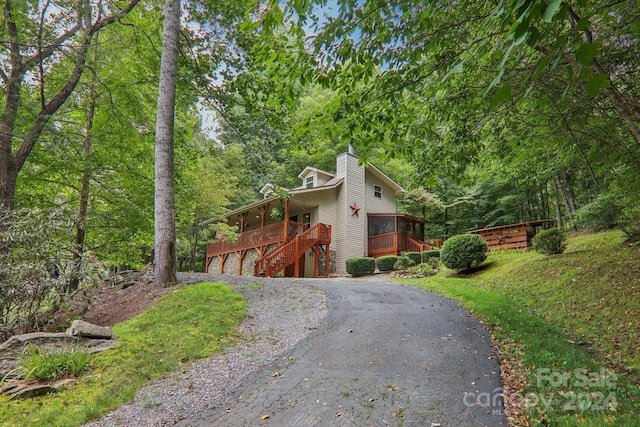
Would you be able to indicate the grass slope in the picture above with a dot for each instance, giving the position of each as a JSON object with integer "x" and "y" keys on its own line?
{"x": 592, "y": 291}
{"x": 190, "y": 323}
{"x": 541, "y": 310}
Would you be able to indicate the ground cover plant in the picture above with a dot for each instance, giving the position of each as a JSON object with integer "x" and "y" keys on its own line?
{"x": 567, "y": 328}
{"x": 189, "y": 323}
{"x": 51, "y": 365}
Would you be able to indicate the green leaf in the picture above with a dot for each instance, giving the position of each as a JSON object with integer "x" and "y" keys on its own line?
{"x": 583, "y": 24}
{"x": 495, "y": 81}
{"x": 587, "y": 52}
{"x": 597, "y": 82}
{"x": 541, "y": 66}
{"x": 551, "y": 10}
{"x": 455, "y": 70}
{"x": 501, "y": 94}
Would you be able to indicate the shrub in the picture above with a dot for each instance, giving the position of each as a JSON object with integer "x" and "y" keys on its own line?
{"x": 421, "y": 270}
{"x": 601, "y": 214}
{"x": 416, "y": 257}
{"x": 434, "y": 262}
{"x": 426, "y": 255}
{"x": 463, "y": 251}
{"x": 360, "y": 266}
{"x": 630, "y": 223}
{"x": 550, "y": 242}
{"x": 404, "y": 262}
{"x": 36, "y": 267}
{"x": 386, "y": 263}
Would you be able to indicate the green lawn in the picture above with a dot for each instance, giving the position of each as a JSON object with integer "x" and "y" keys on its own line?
{"x": 190, "y": 323}
{"x": 567, "y": 327}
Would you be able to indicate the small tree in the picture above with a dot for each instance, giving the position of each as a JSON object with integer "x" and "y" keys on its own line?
{"x": 550, "y": 242}
{"x": 463, "y": 251}
{"x": 36, "y": 251}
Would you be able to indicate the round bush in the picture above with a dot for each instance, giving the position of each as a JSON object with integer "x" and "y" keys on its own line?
{"x": 360, "y": 266}
{"x": 463, "y": 251}
{"x": 550, "y": 242}
{"x": 386, "y": 263}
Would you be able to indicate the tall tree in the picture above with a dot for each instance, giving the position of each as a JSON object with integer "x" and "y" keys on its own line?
{"x": 40, "y": 39}
{"x": 165, "y": 216}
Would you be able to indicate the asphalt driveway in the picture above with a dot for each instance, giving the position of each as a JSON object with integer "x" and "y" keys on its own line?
{"x": 386, "y": 355}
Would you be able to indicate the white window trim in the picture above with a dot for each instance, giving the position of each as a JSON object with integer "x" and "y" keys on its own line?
{"x": 377, "y": 191}
{"x": 309, "y": 180}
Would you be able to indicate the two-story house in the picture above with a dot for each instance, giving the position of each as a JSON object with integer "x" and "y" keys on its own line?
{"x": 349, "y": 214}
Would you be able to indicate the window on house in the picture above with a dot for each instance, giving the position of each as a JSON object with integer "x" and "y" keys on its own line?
{"x": 377, "y": 191}
{"x": 309, "y": 182}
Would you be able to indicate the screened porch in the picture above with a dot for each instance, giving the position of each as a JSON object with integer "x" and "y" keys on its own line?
{"x": 391, "y": 234}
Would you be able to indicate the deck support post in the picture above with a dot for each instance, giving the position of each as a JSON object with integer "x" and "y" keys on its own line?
{"x": 316, "y": 260}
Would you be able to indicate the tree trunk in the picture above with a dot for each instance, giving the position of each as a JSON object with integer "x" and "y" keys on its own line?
{"x": 165, "y": 224}
{"x": 559, "y": 221}
{"x": 570, "y": 198}
{"x": 83, "y": 207}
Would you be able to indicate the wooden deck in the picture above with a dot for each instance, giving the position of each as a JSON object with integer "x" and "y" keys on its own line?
{"x": 274, "y": 247}
{"x": 265, "y": 236}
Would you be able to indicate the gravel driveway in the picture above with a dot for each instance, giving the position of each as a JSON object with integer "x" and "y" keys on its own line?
{"x": 334, "y": 352}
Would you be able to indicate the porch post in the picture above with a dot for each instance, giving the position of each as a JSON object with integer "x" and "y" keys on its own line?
{"x": 263, "y": 212}
{"x": 327, "y": 260}
{"x": 316, "y": 261}
{"x": 286, "y": 220}
{"x": 297, "y": 264}
{"x": 242, "y": 217}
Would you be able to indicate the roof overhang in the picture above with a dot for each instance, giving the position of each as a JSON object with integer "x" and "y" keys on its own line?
{"x": 315, "y": 189}
{"x": 410, "y": 218}
{"x": 385, "y": 179}
{"x": 309, "y": 169}
{"x": 244, "y": 208}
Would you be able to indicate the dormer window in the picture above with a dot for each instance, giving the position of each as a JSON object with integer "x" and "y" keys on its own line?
{"x": 377, "y": 191}
{"x": 308, "y": 182}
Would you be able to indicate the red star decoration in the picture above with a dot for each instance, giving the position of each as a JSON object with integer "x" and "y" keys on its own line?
{"x": 354, "y": 210}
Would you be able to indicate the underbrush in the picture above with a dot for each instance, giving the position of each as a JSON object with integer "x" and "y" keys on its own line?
{"x": 187, "y": 324}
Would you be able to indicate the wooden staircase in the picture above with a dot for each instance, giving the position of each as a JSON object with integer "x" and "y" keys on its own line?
{"x": 290, "y": 252}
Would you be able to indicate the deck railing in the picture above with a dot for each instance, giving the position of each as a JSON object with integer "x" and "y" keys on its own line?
{"x": 393, "y": 244}
{"x": 267, "y": 235}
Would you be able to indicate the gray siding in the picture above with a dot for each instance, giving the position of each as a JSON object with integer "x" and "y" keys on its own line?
{"x": 351, "y": 235}
{"x": 387, "y": 204}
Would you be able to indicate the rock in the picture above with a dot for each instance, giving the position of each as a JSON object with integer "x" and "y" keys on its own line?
{"x": 36, "y": 390}
{"x": 9, "y": 387}
{"x": 24, "y": 390}
{"x": 80, "y": 328}
{"x": 14, "y": 347}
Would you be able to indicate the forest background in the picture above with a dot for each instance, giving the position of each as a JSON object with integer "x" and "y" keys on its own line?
{"x": 490, "y": 113}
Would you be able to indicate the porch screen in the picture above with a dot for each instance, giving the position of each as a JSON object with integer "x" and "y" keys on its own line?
{"x": 381, "y": 225}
